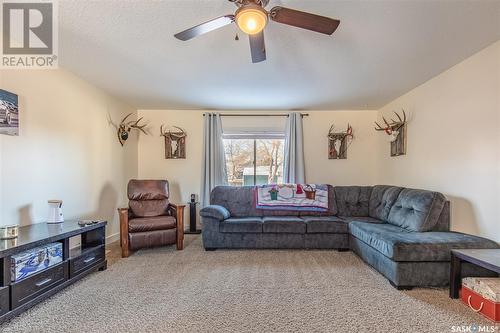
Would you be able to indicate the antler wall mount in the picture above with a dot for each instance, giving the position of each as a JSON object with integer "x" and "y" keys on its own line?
{"x": 252, "y": 17}
{"x": 338, "y": 142}
{"x": 125, "y": 127}
{"x": 175, "y": 142}
{"x": 396, "y": 129}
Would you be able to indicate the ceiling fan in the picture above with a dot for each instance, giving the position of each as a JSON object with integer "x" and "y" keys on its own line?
{"x": 252, "y": 17}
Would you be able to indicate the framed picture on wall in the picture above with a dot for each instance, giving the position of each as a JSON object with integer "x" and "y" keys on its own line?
{"x": 9, "y": 113}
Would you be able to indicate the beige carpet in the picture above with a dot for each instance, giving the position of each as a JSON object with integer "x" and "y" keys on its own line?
{"x": 164, "y": 290}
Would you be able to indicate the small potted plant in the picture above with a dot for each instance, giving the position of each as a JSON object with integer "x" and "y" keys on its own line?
{"x": 274, "y": 193}
{"x": 310, "y": 192}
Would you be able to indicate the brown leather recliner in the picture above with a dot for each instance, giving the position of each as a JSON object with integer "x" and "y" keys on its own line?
{"x": 151, "y": 220}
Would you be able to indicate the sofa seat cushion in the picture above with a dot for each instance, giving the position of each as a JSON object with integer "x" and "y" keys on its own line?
{"x": 284, "y": 224}
{"x": 417, "y": 210}
{"x": 151, "y": 223}
{"x": 400, "y": 244}
{"x": 325, "y": 224}
{"x": 365, "y": 219}
{"x": 241, "y": 224}
{"x": 139, "y": 240}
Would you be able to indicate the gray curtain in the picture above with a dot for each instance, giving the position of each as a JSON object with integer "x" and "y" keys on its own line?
{"x": 214, "y": 159}
{"x": 294, "y": 150}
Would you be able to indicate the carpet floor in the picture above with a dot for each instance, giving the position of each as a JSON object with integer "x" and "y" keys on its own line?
{"x": 164, "y": 290}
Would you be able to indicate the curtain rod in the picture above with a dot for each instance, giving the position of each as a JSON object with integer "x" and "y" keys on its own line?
{"x": 257, "y": 115}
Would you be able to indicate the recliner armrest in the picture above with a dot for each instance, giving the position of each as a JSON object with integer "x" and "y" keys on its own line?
{"x": 178, "y": 212}
{"x": 124, "y": 213}
{"x": 216, "y": 212}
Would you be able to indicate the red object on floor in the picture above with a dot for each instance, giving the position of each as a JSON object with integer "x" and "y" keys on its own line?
{"x": 479, "y": 304}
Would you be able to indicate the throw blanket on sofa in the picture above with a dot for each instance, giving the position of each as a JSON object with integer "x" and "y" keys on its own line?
{"x": 297, "y": 197}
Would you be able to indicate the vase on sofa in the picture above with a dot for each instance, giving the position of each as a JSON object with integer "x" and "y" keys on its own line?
{"x": 274, "y": 193}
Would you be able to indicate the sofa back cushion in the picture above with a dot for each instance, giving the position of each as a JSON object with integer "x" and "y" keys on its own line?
{"x": 238, "y": 200}
{"x": 382, "y": 199}
{"x": 417, "y": 210}
{"x": 443, "y": 223}
{"x": 353, "y": 200}
{"x": 148, "y": 198}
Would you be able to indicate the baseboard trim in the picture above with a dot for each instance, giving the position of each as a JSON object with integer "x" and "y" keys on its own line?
{"x": 113, "y": 238}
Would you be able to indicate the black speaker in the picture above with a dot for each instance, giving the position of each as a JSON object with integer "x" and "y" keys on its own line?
{"x": 192, "y": 216}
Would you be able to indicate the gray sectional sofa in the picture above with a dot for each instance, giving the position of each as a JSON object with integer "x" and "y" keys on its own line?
{"x": 401, "y": 232}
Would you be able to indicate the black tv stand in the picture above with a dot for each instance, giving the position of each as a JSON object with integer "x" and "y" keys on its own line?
{"x": 16, "y": 297}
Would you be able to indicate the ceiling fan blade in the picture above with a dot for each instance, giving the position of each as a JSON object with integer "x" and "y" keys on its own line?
{"x": 257, "y": 47}
{"x": 296, "y": 18}
{"x": 205, "y": 27}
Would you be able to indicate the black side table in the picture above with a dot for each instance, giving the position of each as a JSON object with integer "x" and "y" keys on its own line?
{"x": 485, "y": 258}
{"x": 192, "y": 219}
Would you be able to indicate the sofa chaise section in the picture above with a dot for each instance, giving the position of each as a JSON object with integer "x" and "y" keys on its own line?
{"x": 410, "y": 248}
{"x": 399, "y": 244}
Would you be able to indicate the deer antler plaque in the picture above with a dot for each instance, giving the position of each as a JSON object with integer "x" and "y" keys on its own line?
{"x": 175, "y": 143}
{"x": 125, "y": 127}
{"x": 338, "y": 142}
{"x": 396, "y": 129}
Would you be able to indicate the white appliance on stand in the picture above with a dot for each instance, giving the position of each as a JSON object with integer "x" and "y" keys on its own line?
{"x": 55, "y": 212}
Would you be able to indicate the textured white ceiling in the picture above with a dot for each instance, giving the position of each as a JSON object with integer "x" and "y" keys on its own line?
{"x": 381, "y": 50}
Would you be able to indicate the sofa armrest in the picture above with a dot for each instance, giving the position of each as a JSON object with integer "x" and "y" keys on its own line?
{"x": 216, "y": 212}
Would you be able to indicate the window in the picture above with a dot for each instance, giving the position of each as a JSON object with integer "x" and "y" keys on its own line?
{"x": 254, "y": 160}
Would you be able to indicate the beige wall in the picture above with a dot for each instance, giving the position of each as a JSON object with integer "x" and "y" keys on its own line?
{"x": 454, "y": 142}
{"x": 453, "y": 145}
{"x": 66, "y": 150}
{"x": 185, "y": 175}
{"x": 360, "y": 166}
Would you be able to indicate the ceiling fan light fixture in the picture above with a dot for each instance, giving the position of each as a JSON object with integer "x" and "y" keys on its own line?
{"x": 251, "y": 19}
